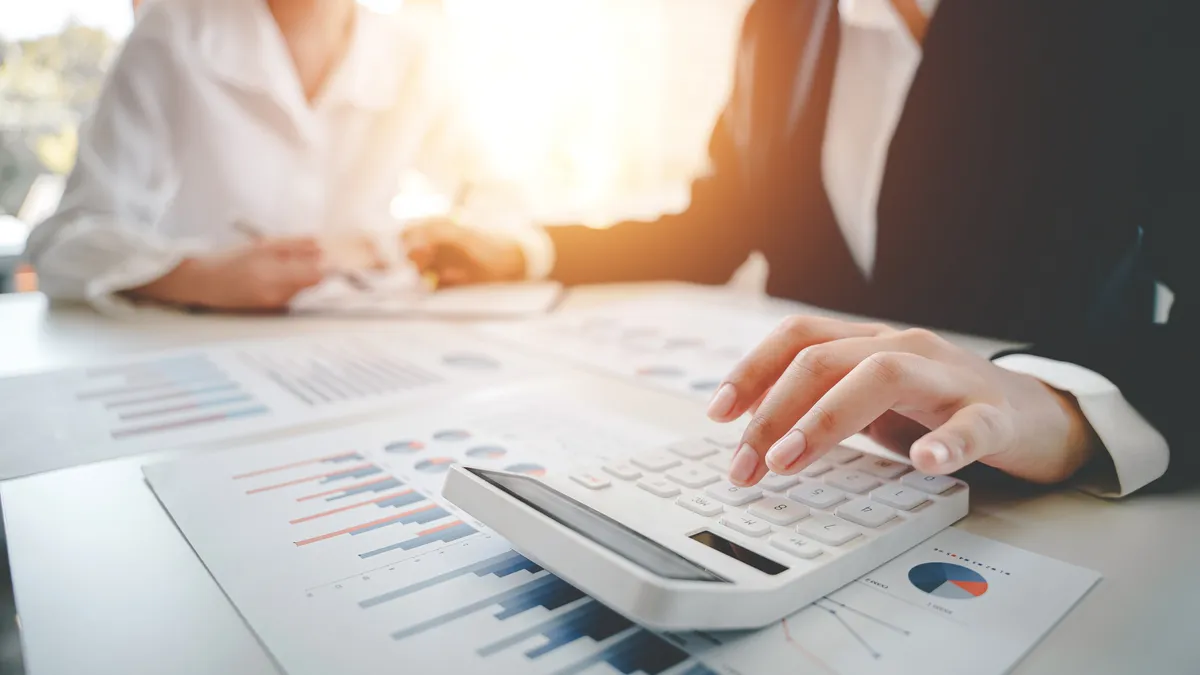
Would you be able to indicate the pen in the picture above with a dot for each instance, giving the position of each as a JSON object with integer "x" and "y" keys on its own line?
{"x": 256, "y": 233}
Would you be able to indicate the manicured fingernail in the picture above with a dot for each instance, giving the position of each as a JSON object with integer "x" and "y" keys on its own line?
{"x": 722, "y": 402}
{"x": 939, "y": 452}
{"x": 787, "y": 451}
{"x": 745, "y": 461}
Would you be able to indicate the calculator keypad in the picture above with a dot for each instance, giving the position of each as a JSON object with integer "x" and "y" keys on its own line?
{"x": 732, "y": 494}
{"x": 778, "y": 510}
{"x": 843, "y": 498}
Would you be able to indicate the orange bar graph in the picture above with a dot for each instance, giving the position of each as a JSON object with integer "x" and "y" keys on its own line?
{"x": 310, "y": 478}
{"x": 380, "y": 521}
{"x": 294, "y": 465}
{"x": 351, "y": 506}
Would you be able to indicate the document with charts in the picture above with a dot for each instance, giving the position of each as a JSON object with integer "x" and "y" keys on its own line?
{"x": 671, "y": 342}
{"x": 186, "y": 397}
{"x": 339, "y": 552}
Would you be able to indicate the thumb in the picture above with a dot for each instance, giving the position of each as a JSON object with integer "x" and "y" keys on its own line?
{"x": 972, "y": 433}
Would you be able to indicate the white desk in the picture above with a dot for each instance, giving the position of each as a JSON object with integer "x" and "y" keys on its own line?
{"x": 105, "y": 583}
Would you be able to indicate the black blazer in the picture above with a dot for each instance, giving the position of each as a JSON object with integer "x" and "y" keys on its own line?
{"x": 1045, "y": 171}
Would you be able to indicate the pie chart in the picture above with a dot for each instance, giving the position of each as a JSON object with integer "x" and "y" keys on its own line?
{"x": 527, "y": 468}
{"x": 452, "y": 435}
{"x": 947, "y": 580}
{"x": 487, "y": 452}
{"x": 434, "y": 465}
{"x": 404, "y": 447}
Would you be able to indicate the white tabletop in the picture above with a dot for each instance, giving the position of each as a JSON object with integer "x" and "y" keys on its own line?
{"x": 106, "y": 584}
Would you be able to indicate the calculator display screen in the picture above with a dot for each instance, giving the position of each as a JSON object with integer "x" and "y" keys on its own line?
{"x": 739, "y": 552}
{"x": 598, "y": 527}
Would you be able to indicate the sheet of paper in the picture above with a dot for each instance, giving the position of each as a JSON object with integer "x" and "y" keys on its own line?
{"x": 668, "y": 342}
{"x": 341, "y": 555}
{"x": 400, "y": 294}
{"x": 68, "y": 417}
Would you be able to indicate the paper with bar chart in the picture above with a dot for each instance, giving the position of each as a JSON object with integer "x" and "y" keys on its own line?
{"x": 340, "y": 554}
{"x": 669, "y": 343}
{"x": 68, "y": 417}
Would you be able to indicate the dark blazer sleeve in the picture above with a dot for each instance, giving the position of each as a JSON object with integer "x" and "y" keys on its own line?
{"x": 702, "y": 244}
{"x": 1157, "y": 367}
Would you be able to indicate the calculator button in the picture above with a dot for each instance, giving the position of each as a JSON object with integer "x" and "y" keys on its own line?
{"x": 900, "y": 496}
{"x": 816, "y": 468}
{"x": 934, "y": 485}
{"x": 591, "y": 480}
{"x": 755, "y": 527}
{"x": 658, "y": 486}
{"x": 728, "y": 441}
{"x": 797, "y": 546}
{"x": 852, "y": 481}
{"x": 778, "y": 510}
{"x": 827, "y": 529}
{"x": 623, "y": 470}
{"x": 721, "y": 462}
{"x": 816, "y": 495}
{"x": 693, "y": 476}
{"x": 866, "y": 512}
{"x": 694, "y": 449}
{"x": 656, "y": 461}
{"x": 776, "y": 483}
{"x": 842, "y": 455}
{"x": 732, "y": 494}
{"x": 880, "y": 467}
{"x": 705, "y": 506}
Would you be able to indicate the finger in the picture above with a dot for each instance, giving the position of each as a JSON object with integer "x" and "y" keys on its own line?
{"x": 913, "y": 385}
{"x": 758, "y": 370}
{"x": 453, "y": 276}
{"x": 812, "y": 373}
{"x": 972, "y": 433}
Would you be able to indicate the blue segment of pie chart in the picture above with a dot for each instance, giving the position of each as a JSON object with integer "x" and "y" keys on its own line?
{"x": 947, "y": 580}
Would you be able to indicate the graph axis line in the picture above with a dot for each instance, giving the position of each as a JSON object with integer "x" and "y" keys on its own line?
{"x": 787, "y": 637}
{"x": 864, "y": 615}
{"x": 853, "y": 633}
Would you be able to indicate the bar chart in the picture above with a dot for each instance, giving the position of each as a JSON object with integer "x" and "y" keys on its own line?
{"x": 170, "y": 394}
{"x": 525, "y": 620}
{"x": 338, "y": 372}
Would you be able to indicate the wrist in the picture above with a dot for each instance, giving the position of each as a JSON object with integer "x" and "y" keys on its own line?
{"x": 1082, "y": 443}
{"x": 185, "y": 284}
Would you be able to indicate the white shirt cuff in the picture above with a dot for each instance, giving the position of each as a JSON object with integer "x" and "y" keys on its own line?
{"x": 538, "y": 250}
{"x": 1139, "y": 452}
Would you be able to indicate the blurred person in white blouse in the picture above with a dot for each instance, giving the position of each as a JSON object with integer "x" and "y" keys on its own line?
{"x": 243, "y": 149}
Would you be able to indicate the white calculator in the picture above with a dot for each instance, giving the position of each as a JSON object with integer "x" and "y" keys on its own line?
{"x": 665, "y": 539}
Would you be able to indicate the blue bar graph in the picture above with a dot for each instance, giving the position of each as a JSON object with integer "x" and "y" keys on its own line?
{"x": 419, "y": 517}
{"x": 374, "y": 486}
{"x": 641, "y": 652}
{"x": 499, "y": 566}
{"x": 547, "y": 591}
{"x": 591, "y": 619}
{"x": 443, "y": 533}
{"x": 410, "y": 497}
{"x": 360, "y": 472}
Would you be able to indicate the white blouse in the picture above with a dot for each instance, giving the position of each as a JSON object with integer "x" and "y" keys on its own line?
{"x": 203, "y": 124}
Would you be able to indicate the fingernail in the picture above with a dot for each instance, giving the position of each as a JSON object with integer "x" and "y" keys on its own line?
{"x": 939, "y": 452}
{"x": 787, "y": 451}
{"x": 745, "y": 461}
{"x": 722, "y": 402}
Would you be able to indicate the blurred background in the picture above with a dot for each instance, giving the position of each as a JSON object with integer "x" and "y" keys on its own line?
{"x": 586, "y": 110}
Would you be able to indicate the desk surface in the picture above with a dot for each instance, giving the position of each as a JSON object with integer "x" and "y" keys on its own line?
{"x": 106, "y": 584}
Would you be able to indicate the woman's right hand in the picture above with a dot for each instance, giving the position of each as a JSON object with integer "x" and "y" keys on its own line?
{"x": 263, "y": 276}
{"x": 460, "y": 255}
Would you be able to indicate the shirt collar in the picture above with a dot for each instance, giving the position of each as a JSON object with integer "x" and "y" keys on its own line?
{"x": 241, "y": 43}
{"x": 878, "y": 14}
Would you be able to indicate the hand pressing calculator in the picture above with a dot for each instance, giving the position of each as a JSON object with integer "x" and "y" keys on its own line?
{"x": 665, "y": 539}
